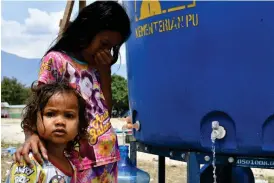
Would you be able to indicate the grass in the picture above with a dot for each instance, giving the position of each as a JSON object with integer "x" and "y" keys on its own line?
{"x": 270, "y": 179}
{"x": 5, "y": 145}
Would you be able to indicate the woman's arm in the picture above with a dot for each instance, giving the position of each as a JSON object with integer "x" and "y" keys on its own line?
{"x": 49, "y": 71}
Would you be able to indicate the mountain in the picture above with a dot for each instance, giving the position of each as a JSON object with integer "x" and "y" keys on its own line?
{"x": 26, "y": 70}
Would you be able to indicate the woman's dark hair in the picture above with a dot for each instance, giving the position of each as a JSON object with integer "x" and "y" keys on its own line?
{"x": 91, "y": 20}
{"x": 38, "y": 101}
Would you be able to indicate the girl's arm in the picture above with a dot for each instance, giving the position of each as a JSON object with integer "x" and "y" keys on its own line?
{"x": 103, "y": 64}
{"x": 105, "y": 78}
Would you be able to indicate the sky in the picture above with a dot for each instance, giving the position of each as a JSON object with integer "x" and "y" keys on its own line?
{"x": 29, "y": 27}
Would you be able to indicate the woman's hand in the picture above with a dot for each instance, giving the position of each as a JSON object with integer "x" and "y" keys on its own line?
{"x": 33, "y": 144}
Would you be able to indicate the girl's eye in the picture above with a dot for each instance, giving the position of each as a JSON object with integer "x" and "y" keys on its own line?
{"x": 104, "y": 43}
{"x": 49, "y": 114}
{"x": 70, "y": 116}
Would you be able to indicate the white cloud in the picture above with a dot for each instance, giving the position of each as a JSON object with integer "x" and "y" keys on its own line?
{"x": 32, "y": 38}
{"x": 43, "y": 21}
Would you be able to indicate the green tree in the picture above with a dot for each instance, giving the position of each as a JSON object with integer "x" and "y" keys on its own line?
{"x": 13, "y": 92}
{"x": 119, "y": 95}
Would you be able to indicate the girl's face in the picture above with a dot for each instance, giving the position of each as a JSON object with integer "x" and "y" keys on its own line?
{"x": 104, "y": 40}
{"x": 60, "y": 119}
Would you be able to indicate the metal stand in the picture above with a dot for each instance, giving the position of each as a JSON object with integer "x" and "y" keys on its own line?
{"x": 162, "y": 169}
{"x": 133, "y": 153}
{"x": 193, "y": 168}
{"x": 195, "y": 159}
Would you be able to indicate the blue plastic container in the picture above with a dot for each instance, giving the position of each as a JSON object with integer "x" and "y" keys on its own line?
{"x": 8, "y": 151}
{"x": 127, "y": 172}
{"x": 190, "y": 63}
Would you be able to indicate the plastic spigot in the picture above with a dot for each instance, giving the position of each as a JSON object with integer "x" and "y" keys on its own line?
{"x": 218, "y": 132}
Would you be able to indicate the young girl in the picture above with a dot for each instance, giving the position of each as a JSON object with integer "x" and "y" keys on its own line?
{"x": 56, "y": 113}
{"x": 83, "y": 56}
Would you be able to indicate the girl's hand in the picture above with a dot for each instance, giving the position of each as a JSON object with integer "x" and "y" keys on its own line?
{"x": 129, "y": 124}
{"x": 103, "y": 60}
{"x": 33, "y": 144}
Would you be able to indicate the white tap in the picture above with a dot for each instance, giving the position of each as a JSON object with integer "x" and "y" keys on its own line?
{"x": 218, "y": 132}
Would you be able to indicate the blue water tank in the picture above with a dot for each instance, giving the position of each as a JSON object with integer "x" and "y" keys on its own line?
{"x": 193, "y": 62}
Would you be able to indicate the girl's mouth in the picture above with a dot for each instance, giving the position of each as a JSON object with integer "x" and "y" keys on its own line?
{"x": 59, "y": 132}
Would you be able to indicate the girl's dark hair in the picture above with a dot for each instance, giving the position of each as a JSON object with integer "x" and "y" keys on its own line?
{"x": 94, "y": 18}
{"x": 39, "y": 99}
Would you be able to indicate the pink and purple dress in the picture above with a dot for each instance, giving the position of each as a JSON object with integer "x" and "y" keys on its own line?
{"x": 100, "y": 152}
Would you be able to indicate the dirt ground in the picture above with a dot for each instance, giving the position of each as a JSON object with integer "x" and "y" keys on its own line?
{"x": 5, "y": 161}
{"x": 175, "y": 170}
{"x": 175, "y": 173}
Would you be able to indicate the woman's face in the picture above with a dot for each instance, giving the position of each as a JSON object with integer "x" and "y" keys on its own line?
{"x": 105, "y": 40}
{"x": 86, "y": 87}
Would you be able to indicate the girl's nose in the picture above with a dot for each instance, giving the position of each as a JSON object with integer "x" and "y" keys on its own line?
{"x": 60, "y": 121}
